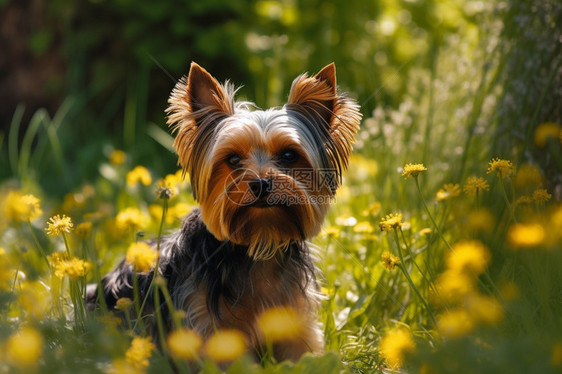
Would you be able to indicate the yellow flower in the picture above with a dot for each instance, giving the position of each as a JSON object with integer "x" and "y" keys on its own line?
{"x": 280, "y": 324}
{"x": 480, "y": 220}
{"x": 391, "y": 222}
{"x": 389, "y": 260}
{"x": 426, "y": 231}
{"x": 21, "y": 208}
{"x": 123, "y": 304}
{"x": 141, "y": 256}
{"x": 528, "y": 177}
{"x": 455, "y": 323}
{"x": 117, "y": 157}
{"x": 395, "y": 345}
{"x": 121, "y": 366}
{"x": 523, "y": 200}
{"x": 484, "y": 309}
{"x": 225, "y": 345}
{"x": 24, "y": 348}
{"x": 184, "y": 344}
{"x": 139, "y": 352}
{"x": 474, "y": 185}
{"x": 468, "y": 257}
{"x": 556, "y": 357}
{"x": 83, "y": 230}
{"x": 58, "y": 225}
{"x": 35, "y": 299}
{"x": 448, "y": 191}
{"x": 331, "y": 232}
{"x": 525, "y": 235}
{"x": 73, "y": 267}
{"x": 166, "y": 189}
{"x": 541, "y": 195}
{"x": 139, "y": 174}
{"x": 372, "y": 210}
{"x": 452, "y": 286}
{"x": 363, "y": 228}
{"x": 544, "y": 131}
{"x": 130, "y": 219}
{"x": 413, "y": 170}
{"x": 502, "y": 168}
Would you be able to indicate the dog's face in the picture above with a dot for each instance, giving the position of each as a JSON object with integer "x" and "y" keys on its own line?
{"x": 263, "y": 178}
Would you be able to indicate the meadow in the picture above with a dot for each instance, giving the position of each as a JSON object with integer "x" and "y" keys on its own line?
{"x": 441, "y": 253}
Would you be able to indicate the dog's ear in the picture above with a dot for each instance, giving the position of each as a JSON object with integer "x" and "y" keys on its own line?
{"x": 196, "y": 104}
{"x": 316, "y": 94}
{"x": 335, "y": 115}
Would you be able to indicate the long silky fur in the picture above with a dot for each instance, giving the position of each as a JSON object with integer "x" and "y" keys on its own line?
{"x": 195, "y": 265}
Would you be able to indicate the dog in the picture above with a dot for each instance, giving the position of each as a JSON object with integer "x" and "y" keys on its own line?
{"x": 263, "y": 180}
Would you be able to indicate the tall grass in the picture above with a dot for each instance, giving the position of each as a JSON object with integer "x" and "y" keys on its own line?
{"x": 476, "y": 282}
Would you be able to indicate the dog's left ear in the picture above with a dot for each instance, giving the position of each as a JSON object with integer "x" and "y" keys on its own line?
{"x": 336, "y": 115}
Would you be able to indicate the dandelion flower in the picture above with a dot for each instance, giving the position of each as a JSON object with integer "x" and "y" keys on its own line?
{"x": 541, "y": 195}
{"x": 544, "y": 131}
{"x": 556, "y": 357}
{"x": 121, "y": 366}
{"x": 474, "y": 185}
{"x": 73, "y": 267}
{"x": 395, "y": 345}
{"x": 24, "y": 348}
{"x": 141, "y": 256}
{"x": 525, "y": 235}
{"x": 166, "y": 190}
{"x": 413, "y": 170}
{"x": 139, "y": 174}
{"x": 21, "y": 208}
{"x": 35, "y": 299}
{"x": 522, "y": 200}
{"x": 391, "y": 222}
{"x": 452, "y": 286}
{"x": 83, "y": 230}
{"x": 280, "y": 324}
{"x": 139, "y": 352}
{"x": 331, "y": 232}
{"x": 184, "y": 344}
{"x": 225, "y": 346}
{"x": 484, "y": 309}
{"x": 58, "y": 225}
{"x": 389, "y": 260}
{"x": 130, "y": 219}
{"x": 480, "y": 220}
{"x": 455, "y": 323}
{"x": 528, "y": 177}
{"x": 123, "y": 304}
{"x": 468, "y": 256}
{"x": 117, "y": 157}
{"x": 363, "y": 228}
{"x": 448, "y": 191}
{"x": 502, "y": 168}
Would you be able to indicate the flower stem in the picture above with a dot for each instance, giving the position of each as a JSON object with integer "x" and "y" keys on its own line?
{"x": 429, "y": 214}
{"x": 39, "y": 248}
{"x": 414, "y": 261}
{"x": 412, "y": 285}
{"x": 507, "y": 203}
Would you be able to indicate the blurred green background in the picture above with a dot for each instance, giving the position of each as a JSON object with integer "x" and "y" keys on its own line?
{"x": 104, "y": 69}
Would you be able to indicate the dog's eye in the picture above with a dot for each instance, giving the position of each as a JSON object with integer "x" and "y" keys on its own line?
{"x": 288, "y": 156}
{"x": 233, "y": 160}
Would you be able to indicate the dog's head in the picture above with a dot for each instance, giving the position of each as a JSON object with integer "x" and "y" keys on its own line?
{"x": 263, "y": 178}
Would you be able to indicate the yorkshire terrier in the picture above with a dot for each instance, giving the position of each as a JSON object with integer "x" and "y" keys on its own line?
{"x": 264, "y": 180}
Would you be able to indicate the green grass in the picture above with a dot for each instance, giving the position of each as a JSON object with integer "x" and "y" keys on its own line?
{"x": 499, "y": 312}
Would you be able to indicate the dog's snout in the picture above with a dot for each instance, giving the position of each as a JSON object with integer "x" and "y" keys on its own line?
{"x": 260, "y": 187}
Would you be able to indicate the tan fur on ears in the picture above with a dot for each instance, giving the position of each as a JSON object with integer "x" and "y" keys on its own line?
{"x": 318, "y": 95}
{"x": 195, "y": 97}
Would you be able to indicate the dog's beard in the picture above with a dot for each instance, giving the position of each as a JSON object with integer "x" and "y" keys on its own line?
{"x": 291, "y": 211}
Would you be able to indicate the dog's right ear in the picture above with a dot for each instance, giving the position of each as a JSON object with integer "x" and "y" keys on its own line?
{"x": 196, "y": 104}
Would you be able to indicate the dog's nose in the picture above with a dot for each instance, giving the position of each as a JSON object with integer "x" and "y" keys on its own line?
{"x": 260, "y": 187}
